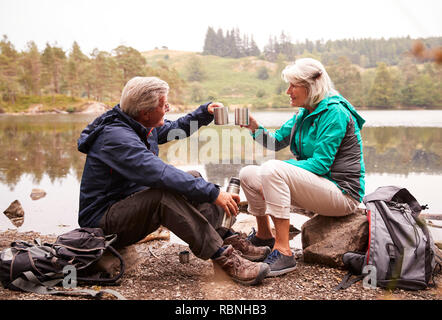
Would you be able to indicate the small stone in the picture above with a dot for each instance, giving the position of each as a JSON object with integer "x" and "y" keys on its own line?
{"x": 37, "y": 194}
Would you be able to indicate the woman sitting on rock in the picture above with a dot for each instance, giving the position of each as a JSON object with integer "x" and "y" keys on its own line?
{"x": 327, "y": 176}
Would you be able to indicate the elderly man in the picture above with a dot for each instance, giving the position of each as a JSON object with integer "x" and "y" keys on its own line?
{"x": 126, "y": 189}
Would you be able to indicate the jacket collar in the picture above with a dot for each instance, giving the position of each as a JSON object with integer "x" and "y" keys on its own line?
{"x": 335, "y": 99}
{"x": 322, "y": 106}
{"x": 141, "y": 130}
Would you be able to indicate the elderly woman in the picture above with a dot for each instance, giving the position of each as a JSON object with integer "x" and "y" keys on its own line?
{"x": 327, "y": 176}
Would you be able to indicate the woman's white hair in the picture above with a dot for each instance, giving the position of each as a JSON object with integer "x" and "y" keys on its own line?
{"x": 311, "y": 74}
{"x": 142, "y": 93}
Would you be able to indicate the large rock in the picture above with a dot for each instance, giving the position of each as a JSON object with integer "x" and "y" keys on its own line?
{"x": 326, "y": 239}
{"x": 94, "y": 108}
{"x": 161, "y": 233}
{"x": 15, "y": 213}
{"x": 35, "y": 108}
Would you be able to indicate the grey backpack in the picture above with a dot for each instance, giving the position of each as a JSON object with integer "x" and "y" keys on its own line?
{"x": 401, "y": 252}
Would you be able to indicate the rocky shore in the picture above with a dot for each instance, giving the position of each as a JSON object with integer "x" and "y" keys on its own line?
{"x": 155, "y": 273}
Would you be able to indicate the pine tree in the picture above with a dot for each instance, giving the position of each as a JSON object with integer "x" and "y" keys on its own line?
{"x": 130, "y": 62}
{"x": 220, "y": 44}
{"x": 31, "y": 69}
{"x": 347, "y": 80}
{"x": 254, "y": 50}
{"x": 77, "y": 62}
{"x": 270, "y": 50}
{"x": 210, "y": 42}
{"x": 409, "y": 77}
{"x": 382, "y": 91}
{"x": 195, "y": 71}
{"x": 8, "y": 70}
{"x": 53, "y": 61}
{"x": 105, "y": 75}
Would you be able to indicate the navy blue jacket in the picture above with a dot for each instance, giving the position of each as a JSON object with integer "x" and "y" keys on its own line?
{"x": 122, "y": 158}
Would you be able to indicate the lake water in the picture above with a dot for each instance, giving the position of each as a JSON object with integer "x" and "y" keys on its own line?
{"x": 401, "y": 148}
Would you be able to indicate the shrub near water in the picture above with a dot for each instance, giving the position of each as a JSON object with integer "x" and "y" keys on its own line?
{"x": 60, "y": 102}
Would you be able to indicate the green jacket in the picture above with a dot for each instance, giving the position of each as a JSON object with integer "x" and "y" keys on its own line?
{"x": 326, "y": 142}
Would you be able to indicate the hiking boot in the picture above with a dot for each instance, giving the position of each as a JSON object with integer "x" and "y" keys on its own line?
{"x": 280, "y": 263}
{"x": 239, "y": 269}
{"x": 248, "y": 250}
{"x": 258, "y": 242}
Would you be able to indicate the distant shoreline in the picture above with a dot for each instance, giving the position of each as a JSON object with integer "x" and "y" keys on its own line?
{"x": 184, "y": 109}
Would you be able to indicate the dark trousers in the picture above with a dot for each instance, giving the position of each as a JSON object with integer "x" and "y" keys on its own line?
{"x": 134, "y": 217}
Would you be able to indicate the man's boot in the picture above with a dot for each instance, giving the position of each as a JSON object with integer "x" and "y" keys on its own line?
{"x": 240, "y": 269}
{"x": 248, "y": 250}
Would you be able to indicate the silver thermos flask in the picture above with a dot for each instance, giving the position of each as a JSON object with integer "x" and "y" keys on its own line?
{"x": 232, "y": 187}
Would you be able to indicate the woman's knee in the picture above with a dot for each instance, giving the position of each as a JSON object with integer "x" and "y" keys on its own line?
{"x": 270, "y": 168}
{"x": 247, "y": 173}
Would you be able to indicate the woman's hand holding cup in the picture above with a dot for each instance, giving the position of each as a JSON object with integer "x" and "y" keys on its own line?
{"x": 253, "y": 124}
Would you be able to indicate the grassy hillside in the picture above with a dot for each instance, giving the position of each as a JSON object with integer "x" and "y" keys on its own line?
{"x": 231, "y": 81}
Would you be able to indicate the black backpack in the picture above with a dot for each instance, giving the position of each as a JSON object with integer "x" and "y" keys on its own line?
{"x": 70, "y": 260}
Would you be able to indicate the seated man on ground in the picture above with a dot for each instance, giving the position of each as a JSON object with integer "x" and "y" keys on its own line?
{"x": 126, "y": 189}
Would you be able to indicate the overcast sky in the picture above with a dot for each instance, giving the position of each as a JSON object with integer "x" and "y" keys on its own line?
{"x": 182, "y": 24}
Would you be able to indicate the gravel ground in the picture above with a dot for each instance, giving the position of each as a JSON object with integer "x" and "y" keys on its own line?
{"x": 158, "y": 275}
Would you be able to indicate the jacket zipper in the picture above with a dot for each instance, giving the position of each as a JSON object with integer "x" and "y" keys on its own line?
{"x": 300, "y": 136}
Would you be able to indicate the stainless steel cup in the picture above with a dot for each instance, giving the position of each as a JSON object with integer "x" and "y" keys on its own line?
{"x": 242, "y": 116}
{"x": 184, "y": 256}
{"x": 221, "y": 115}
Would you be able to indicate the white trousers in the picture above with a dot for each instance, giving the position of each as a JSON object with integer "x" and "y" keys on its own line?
{"x": 277, "y": 186}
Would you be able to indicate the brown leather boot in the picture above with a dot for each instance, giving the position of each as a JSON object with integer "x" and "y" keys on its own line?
{"x": 248, "y": 250}
{"x": 239, "y": 269}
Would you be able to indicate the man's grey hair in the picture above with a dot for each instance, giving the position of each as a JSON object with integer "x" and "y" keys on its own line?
{"x": 311, "y": 74}
{"x": 142, "y": 93}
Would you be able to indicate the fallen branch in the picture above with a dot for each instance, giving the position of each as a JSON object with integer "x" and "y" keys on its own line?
{"x": 151, "y": 251}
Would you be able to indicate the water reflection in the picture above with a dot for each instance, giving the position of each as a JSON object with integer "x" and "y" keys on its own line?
{"x": 41, "y": 151}
{"x": 49, "y": 146}
{"x": 39, "y": 145}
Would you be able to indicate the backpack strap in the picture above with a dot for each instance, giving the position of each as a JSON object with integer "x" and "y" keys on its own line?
{"x": 96, "y": 279}
{"x": 397, "y": 194}
{"x": 30, "y": 283}
{"x": 347, "y": 281}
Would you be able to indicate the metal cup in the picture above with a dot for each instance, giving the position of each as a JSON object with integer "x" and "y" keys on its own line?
{"x": 184, "y": 256}
{"x": 242, "y": 116}
{"x": 221, "y": 115}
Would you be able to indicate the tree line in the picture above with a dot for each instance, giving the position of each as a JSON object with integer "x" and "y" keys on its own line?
{"x": 405, "y": 85}
{"x": 366, "y": 53}
{"x": 406, "y": 82}
{"x": 229, "y": 44}
{"x": 53, "y": 71}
